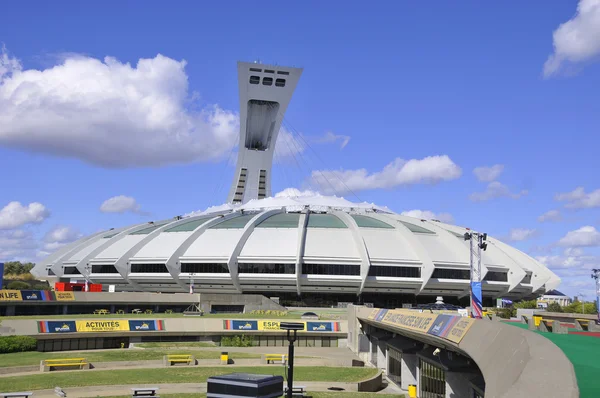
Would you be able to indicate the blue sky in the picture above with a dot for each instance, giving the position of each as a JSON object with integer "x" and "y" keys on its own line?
{"x": 507, "y": 84}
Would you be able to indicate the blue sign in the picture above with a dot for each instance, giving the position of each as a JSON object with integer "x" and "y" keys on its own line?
{"x": 442, "y": 324}
{"x": 1, "y": 275}
{"x": 140, "y": 326}
{"x": 59, "y": 327}
{"x": 476, "y": 306}
{"x": 32, "y": 295}
{"x": 244, "y": 325}
{"x": 319, "y": 326}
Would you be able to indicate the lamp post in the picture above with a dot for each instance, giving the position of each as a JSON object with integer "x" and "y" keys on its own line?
{"x": 292, "y": 328}
{"x": 192, "y": 282}
{"x": 582, "y": 303}
{"x": 596, "y": 276}
{"x": 475, "y": 286}
{"x": 88, "y": 271}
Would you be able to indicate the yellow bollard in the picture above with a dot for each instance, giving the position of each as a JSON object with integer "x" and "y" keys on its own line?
{"x": 224, "y": 358}
{"x": 537, "y": 319}
{"x": 412, "y": 391}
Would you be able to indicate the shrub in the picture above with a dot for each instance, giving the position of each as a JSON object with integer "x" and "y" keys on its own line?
{"x": 554, "y": 307}
{"x": 10, "y": 344}
{"x": 17, "y": 285}
{"x": 237, "y": 341}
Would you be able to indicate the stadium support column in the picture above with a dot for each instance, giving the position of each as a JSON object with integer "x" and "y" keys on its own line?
{"x": 596, "y": 276}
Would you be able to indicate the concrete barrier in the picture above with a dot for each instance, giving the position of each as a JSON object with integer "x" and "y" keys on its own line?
{"x": 373, "y": 384}
{"x": 514, "y": 362}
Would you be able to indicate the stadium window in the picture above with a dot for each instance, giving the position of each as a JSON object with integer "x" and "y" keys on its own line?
{"x": 254, "y": 79}
{"x": 149, "y": 268}
{"x": 450, "y": 273}
{"x": 395, "y": 272}
{"x": 205, "y": 268}
{"x": 496, "y": 276}
{"x": 267, "y": 81}
{"x": 282, "y": 72}
{"x": 331, "y": 269}
{"x": 255, "y": 70}
{"x": 280, "y": 82}
{"x": 252, "y": 268}
{"x": 104, "y": 269}
{"x": 527, "y": 278}
{"x": 71, "y": 271}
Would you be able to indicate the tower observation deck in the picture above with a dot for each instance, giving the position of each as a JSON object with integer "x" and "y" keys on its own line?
{"x": 265, "y": 92}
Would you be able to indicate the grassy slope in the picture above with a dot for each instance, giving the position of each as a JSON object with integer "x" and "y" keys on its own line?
{"x": 34, "y": 357}
{"x": 310, "y": 394}
{"x": 169, "y": 375}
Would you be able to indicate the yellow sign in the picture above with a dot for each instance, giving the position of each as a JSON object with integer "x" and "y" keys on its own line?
{"x": 272, "y": 325}
{"x": 64, "y": 296}
{"x": 102, "y": 326}
{"x": 414, "y": 321}
{"x": 459, "y": 330}
{"x": 10, "y": 295}
{"x": 373, "y": 313}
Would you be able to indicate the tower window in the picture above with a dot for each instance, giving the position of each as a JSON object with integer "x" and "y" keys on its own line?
{"x": 269, "y": 71}
{"x": 255, "y": 70}
{"x": 267, "y": 81}
{"x": 280, "y": 82}
{"x": 282, "y": 72}
{"x": 254, "y": 79}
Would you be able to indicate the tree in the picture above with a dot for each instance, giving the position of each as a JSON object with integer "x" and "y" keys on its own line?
{"x": 554, "y": 307}
{"x": 17, "y": 268}
{"x": 18, "y": 285}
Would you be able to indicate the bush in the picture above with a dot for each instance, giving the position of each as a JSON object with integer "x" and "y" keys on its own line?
{"x": 10, "y": 344}
{"x": 554, "y": 307}
{"x": 237, "y": 341}
{"x": 17, "y": 285}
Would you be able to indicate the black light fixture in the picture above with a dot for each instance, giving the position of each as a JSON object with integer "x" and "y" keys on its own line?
{"x": 291, "y": 327}
{"x": 467, "y": 236}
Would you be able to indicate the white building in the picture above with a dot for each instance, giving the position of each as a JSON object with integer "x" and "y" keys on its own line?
{"x": 553, "y": 296}
{"x": 317, "y": 247}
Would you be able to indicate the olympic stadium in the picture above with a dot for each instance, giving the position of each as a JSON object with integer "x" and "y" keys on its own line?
{"x": 313, "y": 249}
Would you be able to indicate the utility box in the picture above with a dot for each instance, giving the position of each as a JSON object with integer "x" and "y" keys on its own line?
{"x": 242, "y": 385}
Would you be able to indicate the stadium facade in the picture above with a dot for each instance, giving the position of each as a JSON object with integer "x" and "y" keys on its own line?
{"x": 313, "y": 249}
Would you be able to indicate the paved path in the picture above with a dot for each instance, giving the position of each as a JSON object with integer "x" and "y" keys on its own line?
{"x": 188, "y": 388}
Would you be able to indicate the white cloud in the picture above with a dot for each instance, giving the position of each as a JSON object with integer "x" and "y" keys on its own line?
{"x": 584, "y": 236}
{"x": 521, "y": 234}
{"x": 551, "y": 215}
{"x": 579, "y": 199}
{"x": 495, "y": 190}
{"x": 287, "y": 145}
{"x": 488, "y": 174}
{"x": 572, "y": 262}
{"x": 14, "y": 214}
{"x": 294, "y": 193}
{"x": 431, "y": 169}
{"x": 429, "y": 215}
{"x": 330, "y": 137}
{"x": 576, "y": 40}
{"x": 60, "y": 236}
{"x": 120, "y": 204}
{"x": 110, "y": 113}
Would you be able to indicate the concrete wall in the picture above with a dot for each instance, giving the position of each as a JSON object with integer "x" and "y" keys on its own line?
{"x": 515, "y": 363}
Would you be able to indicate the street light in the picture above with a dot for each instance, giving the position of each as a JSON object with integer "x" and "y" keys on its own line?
{"x": 291, "y": 327}
{"x": 596, "y": 276}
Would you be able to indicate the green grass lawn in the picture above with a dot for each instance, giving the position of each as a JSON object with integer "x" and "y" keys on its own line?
{"x": 34, "y": 357}
{"x": 171, "y": 375}
{"x": 583, "y": 352}
{"x": 310, "y": 394}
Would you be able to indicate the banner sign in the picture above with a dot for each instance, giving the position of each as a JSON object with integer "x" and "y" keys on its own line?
{"x": 322, "y": 326}
{"x": 1, "y": 275}
{"x": 100, "y": 326}
{"x": 449, "y": 327}
{"x": 36, "y": 295}
{"x": 417, "y": 322}
{"x": 10, "y": 295}
{"x": 141, "y": 326}
{"x": 309, "y": 326}
{"x": 57, "y": 327}
{"x": 64, "y": 296}
{"x": 476, "y": 306}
